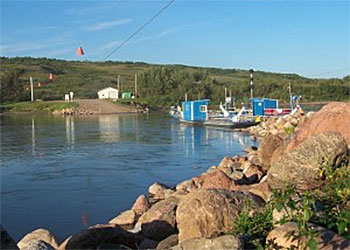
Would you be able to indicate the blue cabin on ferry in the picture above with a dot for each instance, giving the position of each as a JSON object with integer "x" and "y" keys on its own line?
{"x": 195, "y": 111}
{"x": 260, "y": 104}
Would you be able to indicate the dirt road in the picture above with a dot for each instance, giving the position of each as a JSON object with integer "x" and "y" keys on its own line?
{"x": 97, "y": 106}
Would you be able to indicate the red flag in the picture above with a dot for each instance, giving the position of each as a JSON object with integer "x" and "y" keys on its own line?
{"x": 80, "y": 51}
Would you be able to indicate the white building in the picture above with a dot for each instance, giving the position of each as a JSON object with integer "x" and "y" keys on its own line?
{"x": 108, "y": 93}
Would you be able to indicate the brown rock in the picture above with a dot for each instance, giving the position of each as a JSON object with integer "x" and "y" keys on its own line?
{"x": 237, "y": 175}
{"x": 277, "y": 154}
{"x": 226, "y": 162}
{"x": 42, "y": 235}
{"x": 261, "y": 189}
{"x": 6, "y": 241}
{"x": 38, "y": 245}
{"x": 254, "y": 159}
{"x": 227, "y": 170}
{"x": 209, "y": 212}
{"x": 141, "y": 205}
{"x": 266, "y": 149}
{"x": 253, "y": 174}
{"x": 185, "y": 186}
{"x": 127, "y": 217}
{"x": 334, "y": 116}
{"x": 103, "y": 238}
{"x": 159, "y": 221}
{"x": 157, "y": 190}
{"x": 225, "y": 242}
{"x": 169, "y": 242}
{"x": 302, "y": 166}
{"x": 216, "y": 179}
{"x": 326, "y": 240}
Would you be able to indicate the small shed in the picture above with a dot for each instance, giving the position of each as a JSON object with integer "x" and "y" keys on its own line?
{"x": 260, "y": 104}
{"x": 126, "y": 95}
{"x": 195, "y": 111}
{"x": 108, "y": 93}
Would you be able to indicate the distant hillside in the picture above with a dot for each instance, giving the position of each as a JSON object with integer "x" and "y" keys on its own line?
{"x": 157, "y": 84}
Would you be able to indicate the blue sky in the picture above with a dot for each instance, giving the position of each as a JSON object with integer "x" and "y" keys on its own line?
{"x": 310, "y": 38}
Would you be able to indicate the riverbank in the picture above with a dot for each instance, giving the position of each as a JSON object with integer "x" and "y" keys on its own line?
{"x": 78, "y": 107}
{"x": 237, "y": 204}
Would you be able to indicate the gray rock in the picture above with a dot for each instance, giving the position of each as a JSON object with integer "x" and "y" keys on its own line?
{"x": 302, "y": 166}
{"x": 225, "y": 242}
{"x": 326, "y": 240}
{"x": 210, "y": 212}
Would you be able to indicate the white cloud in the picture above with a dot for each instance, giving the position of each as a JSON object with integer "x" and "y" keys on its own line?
{"x": 105, "y": 25}
{"x": 21, "y": 47}
{"x": 30, "y": 46}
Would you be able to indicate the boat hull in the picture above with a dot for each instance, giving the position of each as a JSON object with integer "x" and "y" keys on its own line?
{"x": 230, "y": 124}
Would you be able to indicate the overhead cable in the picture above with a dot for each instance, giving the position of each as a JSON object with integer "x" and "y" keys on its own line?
{"x": 139, "y": 29}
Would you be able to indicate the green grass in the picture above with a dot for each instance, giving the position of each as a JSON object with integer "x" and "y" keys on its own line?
{"x": 37, "y": 106}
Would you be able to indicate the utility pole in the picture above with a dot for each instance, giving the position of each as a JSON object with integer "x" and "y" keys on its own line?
{"x": 186, "y": 97}
{"x": 31, "y": 89}
{"x": 225, "y": 98}
{"x": 135, "y": 85}
{"x": 251, "y": 83}
{"x": 290, "y": 97}
{"x": 118, "y": 84}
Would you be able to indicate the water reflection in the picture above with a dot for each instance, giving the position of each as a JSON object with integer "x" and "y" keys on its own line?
{"x": 109, "y": 127}
{"x": 33, "y": 136}
{"x": 70, "y": 135}
{"x": 193, "y": 138}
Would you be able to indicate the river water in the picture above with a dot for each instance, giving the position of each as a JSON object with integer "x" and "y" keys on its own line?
{"x": 66, "y": 173}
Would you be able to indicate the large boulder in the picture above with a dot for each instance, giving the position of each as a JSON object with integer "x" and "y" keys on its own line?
{"x": 267, "y": 146}
{"x": 127, "y": 217}
{"x": 302, "y": 166}
{"x": 159, "y": 221}
{"x": 213, "y": 179}
{"x": 42, "y": 235}
{"x": 141, "y": 205}
{"x": 6, "y": 241}
{"x": 225, "y": 242}
{"x": 334, "y": 116}
{"x": 210, "y": 212}
{"x": 326, "y": 240}
{"x": 103, "y": 237}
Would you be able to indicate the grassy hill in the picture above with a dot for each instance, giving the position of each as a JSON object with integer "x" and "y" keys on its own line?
{"x": 159, "y": 85}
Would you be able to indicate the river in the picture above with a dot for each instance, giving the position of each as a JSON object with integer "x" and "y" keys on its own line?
{"x": 66, "y": 173}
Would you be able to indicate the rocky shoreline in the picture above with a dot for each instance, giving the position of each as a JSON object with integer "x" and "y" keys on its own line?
{"x": 202, "y": 212}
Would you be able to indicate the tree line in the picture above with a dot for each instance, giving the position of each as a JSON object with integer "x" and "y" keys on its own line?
{"x": 158, "y": 85}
